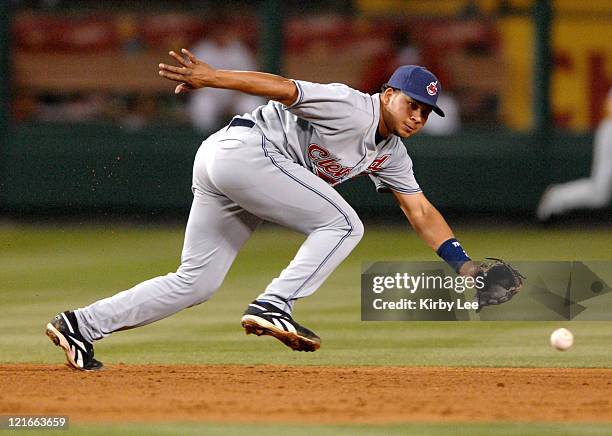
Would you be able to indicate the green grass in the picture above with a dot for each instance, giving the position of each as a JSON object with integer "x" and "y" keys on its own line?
{"x": 49, "y": 269}
{"x": 214, "y": 429}
{"x": 44, "y": 270}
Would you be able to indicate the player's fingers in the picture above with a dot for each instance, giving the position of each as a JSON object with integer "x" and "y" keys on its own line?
{"x": 172, "y": 76}
{"x": 181, "y": 88}
{"x": 189, "y": 55}
{"x": 173, "y": 69}
{"x": 180, "y": 59}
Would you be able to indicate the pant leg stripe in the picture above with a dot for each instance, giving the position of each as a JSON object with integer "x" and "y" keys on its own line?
{"x": 333, "y": 250}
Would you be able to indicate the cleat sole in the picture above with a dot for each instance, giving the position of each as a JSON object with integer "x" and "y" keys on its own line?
{"x": 252, "y": 325}
{"x": 60, "y": 340}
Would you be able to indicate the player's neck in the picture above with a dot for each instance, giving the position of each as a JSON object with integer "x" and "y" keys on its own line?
{"x": 383, "y": 130}
{"x": 378, "y": 138}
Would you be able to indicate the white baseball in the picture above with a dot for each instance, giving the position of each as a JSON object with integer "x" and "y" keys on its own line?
{"x": 561, "y": 339}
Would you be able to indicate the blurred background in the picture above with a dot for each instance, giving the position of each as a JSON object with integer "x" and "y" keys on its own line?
{"x": 87, "y": 126}
{"x": 96, "y": 154}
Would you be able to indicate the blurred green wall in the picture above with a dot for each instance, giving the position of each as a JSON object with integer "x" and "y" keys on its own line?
{"x": 79, "y": 167}
{"x": 5, "y": 85}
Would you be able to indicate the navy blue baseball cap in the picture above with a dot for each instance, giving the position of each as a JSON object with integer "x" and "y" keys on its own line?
{"x": 418, "y": 83}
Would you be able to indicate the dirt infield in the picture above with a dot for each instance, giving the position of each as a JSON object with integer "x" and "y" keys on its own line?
{"x": 307, "y": 394}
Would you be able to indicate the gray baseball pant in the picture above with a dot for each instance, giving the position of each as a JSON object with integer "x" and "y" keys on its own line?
{"x": 239, "y": 179}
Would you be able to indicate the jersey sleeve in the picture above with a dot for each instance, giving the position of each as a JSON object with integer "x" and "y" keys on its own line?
{"x": 333, "y": 107}
{"x": 396, "y": 173}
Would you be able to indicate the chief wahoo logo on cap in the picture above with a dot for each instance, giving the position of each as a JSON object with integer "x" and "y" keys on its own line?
{"x": 432, "y": 88}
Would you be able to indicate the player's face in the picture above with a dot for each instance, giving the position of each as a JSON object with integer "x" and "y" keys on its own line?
{"x": 403, "y": 115}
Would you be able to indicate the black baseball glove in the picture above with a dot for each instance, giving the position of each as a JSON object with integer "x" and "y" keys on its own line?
{"x": 500, "y": 283}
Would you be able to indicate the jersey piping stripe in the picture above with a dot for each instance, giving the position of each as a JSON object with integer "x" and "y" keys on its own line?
{"x": 333, "y": 250}
{"x": 300, "y": 91}
{"x": 407, "y": 191}
{"x": 300, "y": 96}
{"x": 365, "y": 151}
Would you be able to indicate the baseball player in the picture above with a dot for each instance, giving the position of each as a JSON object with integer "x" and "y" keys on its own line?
{"x": 591, "y": 192}
{"x": 279, "y": 164}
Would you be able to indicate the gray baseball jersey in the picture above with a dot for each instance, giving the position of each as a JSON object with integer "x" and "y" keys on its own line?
{"x": 276, "y": 164}
{"x": 331, "y": 130}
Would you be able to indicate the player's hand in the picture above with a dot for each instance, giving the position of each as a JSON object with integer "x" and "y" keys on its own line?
{"x": 192, "y": 72}
{"x": 469, "y": 269}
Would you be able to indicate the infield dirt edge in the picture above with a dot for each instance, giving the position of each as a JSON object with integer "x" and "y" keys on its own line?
{"x": 307, "y": 394}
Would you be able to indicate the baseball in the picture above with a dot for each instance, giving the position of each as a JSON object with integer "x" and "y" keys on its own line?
{"x": 561, "y": 339}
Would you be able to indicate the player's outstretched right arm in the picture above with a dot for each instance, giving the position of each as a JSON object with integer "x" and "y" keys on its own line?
{"x": 433, "y": 229}
{"x": 194, "y": 73}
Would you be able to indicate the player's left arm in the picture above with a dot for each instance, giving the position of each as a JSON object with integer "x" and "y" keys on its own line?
{"x": 193, "y": 73}
{"x": 432, "y": 228}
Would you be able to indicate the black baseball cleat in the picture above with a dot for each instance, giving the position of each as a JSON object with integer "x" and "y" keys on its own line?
{"x": 263, "y": 318}
{"x": 64, "y": 332}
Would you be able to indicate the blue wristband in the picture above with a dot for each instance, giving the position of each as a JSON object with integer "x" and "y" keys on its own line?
{"x": 453, "y": 253}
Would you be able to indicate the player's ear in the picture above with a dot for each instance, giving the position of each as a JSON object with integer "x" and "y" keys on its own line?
{"x": 386, "y": 95}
